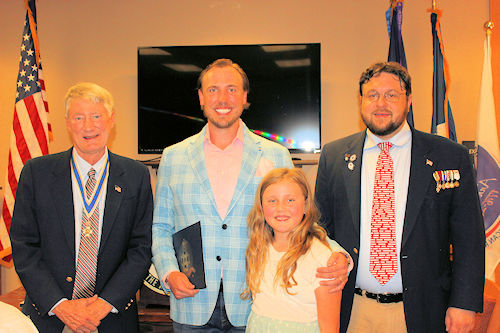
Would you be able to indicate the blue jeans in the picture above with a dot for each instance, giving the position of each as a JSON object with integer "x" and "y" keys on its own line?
{"x": 217, "y": 323}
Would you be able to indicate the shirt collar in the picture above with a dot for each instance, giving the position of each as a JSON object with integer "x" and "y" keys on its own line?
{"x": 400, "y": 139}
{"x": 85, "y": 166}
{"x": 237, "y": 139}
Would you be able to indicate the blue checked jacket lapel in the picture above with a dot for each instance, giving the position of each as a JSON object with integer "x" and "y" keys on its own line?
{"x": 252, "y": 152}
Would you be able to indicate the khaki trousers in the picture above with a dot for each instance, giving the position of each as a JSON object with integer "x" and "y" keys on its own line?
{"x": 369, "y": 316}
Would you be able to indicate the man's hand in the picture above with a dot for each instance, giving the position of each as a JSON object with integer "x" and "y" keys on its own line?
{"x": 459, "y": 320}
{"x": 336, "y": 271}
{"x": 180, "y": 285}
{"x": 99, "y": 309}
{"x": 74, "y": 314}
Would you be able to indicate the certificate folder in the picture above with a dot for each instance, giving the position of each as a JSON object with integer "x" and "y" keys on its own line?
{"x": 189, "y": 252}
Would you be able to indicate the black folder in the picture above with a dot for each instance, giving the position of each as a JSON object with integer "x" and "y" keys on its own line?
{"x": 189, "y": 252}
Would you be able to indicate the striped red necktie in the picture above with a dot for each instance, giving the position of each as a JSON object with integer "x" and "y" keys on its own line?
{"x": 86, "y": 267}
{"x": 383, "y": 258}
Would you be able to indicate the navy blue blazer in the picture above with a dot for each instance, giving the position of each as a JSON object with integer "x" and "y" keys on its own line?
{"x": 43, "y": 239}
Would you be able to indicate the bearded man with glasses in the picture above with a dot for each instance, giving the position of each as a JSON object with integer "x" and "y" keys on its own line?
{"x": 396, "y": 199}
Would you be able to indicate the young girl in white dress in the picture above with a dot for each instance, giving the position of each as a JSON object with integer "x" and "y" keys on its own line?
{"x": 286, "y": 246}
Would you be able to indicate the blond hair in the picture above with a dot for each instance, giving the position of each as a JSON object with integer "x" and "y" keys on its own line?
{"x": 91, "y": 92}
{"x": 262, "y": 235}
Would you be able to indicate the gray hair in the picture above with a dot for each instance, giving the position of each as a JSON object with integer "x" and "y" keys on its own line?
{"x": 91, "y": 92}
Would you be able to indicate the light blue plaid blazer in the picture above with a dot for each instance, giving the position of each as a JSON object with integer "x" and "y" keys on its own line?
{"x": 183, "y": 197}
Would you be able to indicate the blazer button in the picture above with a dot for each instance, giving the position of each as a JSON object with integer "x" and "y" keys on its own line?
{"x": 218, "y": 258}
{"x": 69, "y": 279}
{"x": 355, "y": 250}
{"x": 224, "y": 226}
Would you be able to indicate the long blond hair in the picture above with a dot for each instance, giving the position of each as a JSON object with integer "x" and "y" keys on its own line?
{"x": 262, "y": 235}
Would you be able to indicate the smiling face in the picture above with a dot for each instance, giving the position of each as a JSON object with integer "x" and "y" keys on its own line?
{"x": 89, "y": 125}
{"x": 383, "y": 117}
{"x": 284, "y": 205}
{"x": 222, "y": 97}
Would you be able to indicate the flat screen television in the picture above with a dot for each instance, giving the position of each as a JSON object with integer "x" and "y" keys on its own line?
{"x": 285, "y": 93}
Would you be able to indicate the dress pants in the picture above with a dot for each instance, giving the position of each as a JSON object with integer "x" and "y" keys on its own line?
{"x": 369, "y": 316}
{"x": 217, "y": 323}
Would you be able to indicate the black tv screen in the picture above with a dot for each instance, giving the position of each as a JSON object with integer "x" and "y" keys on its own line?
{"x": 285, "y": 93}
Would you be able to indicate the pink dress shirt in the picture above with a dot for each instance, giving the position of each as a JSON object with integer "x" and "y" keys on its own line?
{"x": 223, "y": 168}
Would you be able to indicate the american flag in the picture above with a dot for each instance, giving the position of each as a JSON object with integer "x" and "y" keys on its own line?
{"x": 31, "y": 129}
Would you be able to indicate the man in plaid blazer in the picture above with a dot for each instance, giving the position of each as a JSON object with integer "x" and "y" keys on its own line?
{"x": 212, "y": 177}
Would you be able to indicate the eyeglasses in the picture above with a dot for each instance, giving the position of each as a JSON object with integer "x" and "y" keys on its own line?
{"x": 390, "y": 96}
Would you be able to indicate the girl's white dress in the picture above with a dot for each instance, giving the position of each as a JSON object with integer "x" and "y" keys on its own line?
{"x": 274, "y": 310}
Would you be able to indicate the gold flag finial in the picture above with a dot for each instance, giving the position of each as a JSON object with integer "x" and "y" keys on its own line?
{"x": 489, "y": 25}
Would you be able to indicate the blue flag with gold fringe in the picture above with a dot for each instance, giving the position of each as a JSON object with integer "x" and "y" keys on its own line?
{"x": 394, "y": 17}
{"x": 442, "y": 117}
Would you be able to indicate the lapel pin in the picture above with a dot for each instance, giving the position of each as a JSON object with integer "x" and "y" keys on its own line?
{"x": 353, "y": 158}
{"x": 429, "y": 162}
{"x": 346, "y": 157}
{"x": 118, "y": 189}
{"x": 350, "y": 166}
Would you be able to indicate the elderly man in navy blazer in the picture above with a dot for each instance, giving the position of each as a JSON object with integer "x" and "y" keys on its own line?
{"x": 81, "y": 228}
{"x": 396, "y": 199}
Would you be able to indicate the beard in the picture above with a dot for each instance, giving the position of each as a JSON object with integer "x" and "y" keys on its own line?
{"x": 226, "y": 123}
{"x": 386, "y": 129}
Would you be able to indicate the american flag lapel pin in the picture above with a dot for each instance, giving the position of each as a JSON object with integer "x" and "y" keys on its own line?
{"x": 429, "y": 162}
{"x": 118, "y": 189}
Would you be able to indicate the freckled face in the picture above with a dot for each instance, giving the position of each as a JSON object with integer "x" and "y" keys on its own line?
{"x": 222, "y": 96}
{"x": 284, "y": 206}
{"x": 89, "y": 125}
